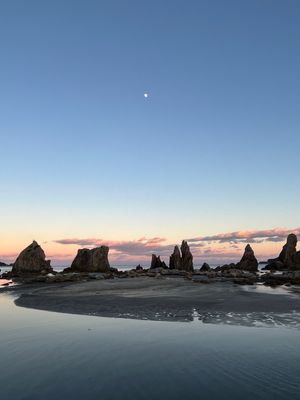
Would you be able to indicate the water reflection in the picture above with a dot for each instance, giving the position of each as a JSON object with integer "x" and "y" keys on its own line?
{"x": 47, "y": 355}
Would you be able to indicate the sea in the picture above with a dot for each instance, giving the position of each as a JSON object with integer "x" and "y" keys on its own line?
{"x": 46, "y": 355}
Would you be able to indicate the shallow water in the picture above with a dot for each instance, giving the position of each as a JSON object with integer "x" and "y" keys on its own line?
{"x": 46, "y": 355}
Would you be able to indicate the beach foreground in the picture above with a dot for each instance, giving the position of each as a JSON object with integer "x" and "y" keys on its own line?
{"x": 169, "y": 299}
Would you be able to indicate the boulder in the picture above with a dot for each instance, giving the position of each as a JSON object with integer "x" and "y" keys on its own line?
{"x": 248, "y": 261}
{"x": 31, "y": 260}
{"x": 225, "y": 267}
{"x": 205, "y": 267}
{"x": 91, "y": 260}
{"x": 275, "y": 265}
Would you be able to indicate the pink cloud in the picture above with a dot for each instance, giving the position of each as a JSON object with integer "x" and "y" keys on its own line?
{"x": 227, "y": 246}
{"x": 255, "y": 236}
{"x": 138, "y": 247}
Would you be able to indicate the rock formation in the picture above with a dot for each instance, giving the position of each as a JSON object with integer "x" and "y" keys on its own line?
{"x": 175, "y": 259}
{"x": 289, "y": 257}
{"x": 187, "y": 257}
{"x": 31, "y": 260}
{"x": 205, "y": 267}
{"x": 288, "y": 253}
{"x": 183, "y": 261}
{"x": 248, "y": 261}
{"x": 94, "y": 260}
{"x": 157, "y": 263}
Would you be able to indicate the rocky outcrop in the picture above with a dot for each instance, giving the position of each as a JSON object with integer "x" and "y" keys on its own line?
{"x": 157, "y": 263}
{"x": 182, "y": 259}
{"x": 175, "y": 259}
{"x": 248, "y": 261}
{"x": 91, "y": 260}
{"x": 31, "y": 260}
{"x": 187, "y": 257}
{"x": 289, "y": 258}
{"x": 284, "y": 278}
{"x": 205, "y": 267}
{"x": 288, "y": 253}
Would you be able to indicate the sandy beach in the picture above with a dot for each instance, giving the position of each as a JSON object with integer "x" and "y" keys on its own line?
{"x": 168, "y": 299}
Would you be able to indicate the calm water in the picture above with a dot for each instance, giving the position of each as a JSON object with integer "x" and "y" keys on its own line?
{"x": 45, "y": 355}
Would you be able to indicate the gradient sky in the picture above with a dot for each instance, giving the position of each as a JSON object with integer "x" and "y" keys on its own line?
{"x": 213, "y": 149}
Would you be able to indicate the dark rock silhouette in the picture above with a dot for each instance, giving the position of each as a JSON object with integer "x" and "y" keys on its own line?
{"x": 205, "y": 267}
{"x": 288, "y": 253}
{"x": 248, "y": 261}
{"x": 289, "y": 257}
{"x": 187, "y": 257}
{"x": 175, "y": 259}
{"x": 31, "y": 260}
{"x": 183, "y": 261}
{"x": 94, "y": 260}
{"x": 157, "y": 263}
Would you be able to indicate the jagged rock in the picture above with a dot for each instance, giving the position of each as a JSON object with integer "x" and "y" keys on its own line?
{"x": 175, "y": 259}
{"x": 157, "y": 263}
{"x": 182, "y": 261}
{"x": 187, "y": 257}
{"x": 248, "y": 261}
{"x": 288, "y": 259}
{"x": 205, "y": 267}
{"x": 31, "y": 260}
{"x": 94, "y": 260}
{"x": 288, "y": 253}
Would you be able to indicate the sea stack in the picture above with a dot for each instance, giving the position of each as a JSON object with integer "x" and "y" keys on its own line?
{"x": 175, "y": 259}
{"x": 94, "y": 260}
{"x": 187, "y": 257}
{"x": 289, "y": 257}
{"x": 288, "y": 253}
{"x": 183, "y": 261}
{"x": 248, "y": 261}
{"x": 157, "y": 263}
{"x": 31, "y": 260}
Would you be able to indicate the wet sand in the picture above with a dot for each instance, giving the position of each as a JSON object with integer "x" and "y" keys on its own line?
{"x": 168, "y": 299}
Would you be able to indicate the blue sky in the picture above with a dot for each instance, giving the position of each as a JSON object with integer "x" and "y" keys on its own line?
{"x": 214, "y": 148}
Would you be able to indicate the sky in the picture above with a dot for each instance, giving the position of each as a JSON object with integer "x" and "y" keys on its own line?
{"x": 212, "y": 152}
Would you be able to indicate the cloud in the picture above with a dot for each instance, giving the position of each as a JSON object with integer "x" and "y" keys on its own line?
{"x": 223, "y": 247}
{"x": 142, "y": 246}
{"x": 256, "y": 236}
